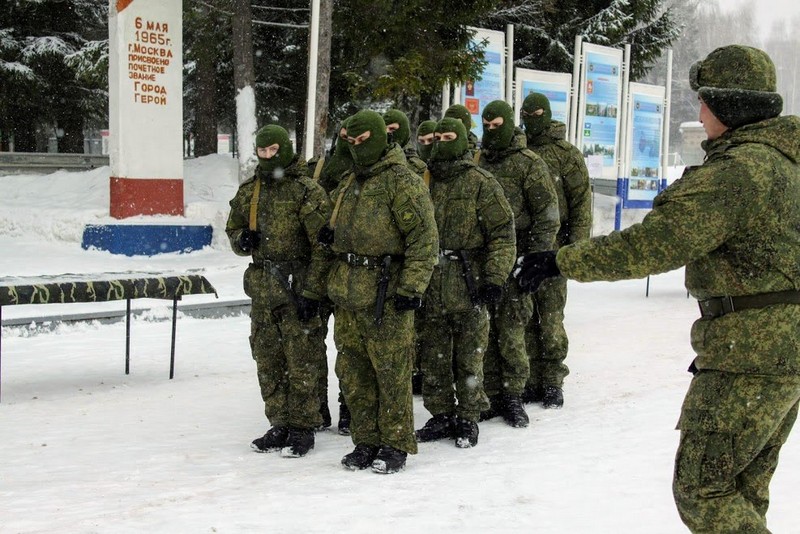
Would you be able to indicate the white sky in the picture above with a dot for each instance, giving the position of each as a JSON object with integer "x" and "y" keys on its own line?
{"x": 767, "y": 11}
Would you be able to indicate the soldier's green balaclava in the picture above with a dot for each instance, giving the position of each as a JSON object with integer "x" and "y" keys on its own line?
{"x": 425, "y": 128}
{"x": 536, "y": 124}
{"x": 738, "y": 84}
{"x": 450, "y": 150}
{"x": 457, "y": 111}
{"x": 268, "y": 136}
{"x": 403, "y": 133}
{"x": 500, "y": 137}
{"x": 340, "y": 159}
{"x": 370, "y": 151}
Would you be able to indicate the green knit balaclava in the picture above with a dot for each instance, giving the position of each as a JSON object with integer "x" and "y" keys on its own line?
{"x": 500, "y": 137}
{"x": 370, "y": 151}
{"x": 536, "y": 124}
{"x": 273, "y": 134}
{"x": 457, "y": 111}
{"x": 738, "y": 84}
{"x": 425, "y": 128}
{"x": 403, "y": 133}
{"x": 450, "y": 150}
{"x": 341, "y": 148}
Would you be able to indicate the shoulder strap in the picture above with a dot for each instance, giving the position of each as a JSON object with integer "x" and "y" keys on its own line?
{"x": 254, "y": 203}
{"x": 335, "y": 213}
{"x": 477, "y": 156}
{"x": 426, "y": 177}
{"x": 318, "y": 168}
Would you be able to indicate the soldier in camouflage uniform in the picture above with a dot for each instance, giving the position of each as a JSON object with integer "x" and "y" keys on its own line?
{"x": 478, "y": 251}
{"x": 734, "y": 222}
{"x": 532, "y": 196}
{"x": 275, "y": 218}
{"x": 460, "y": 112}
{"x": 399, "y": 131}
{"x": 545, "y": 336}
{"x": 425, "y": 138}
{"x": 384, "y": 241}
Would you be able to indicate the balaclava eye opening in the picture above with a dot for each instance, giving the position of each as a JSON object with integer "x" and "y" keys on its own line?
{"x": 450, "y": 150}
{"x": 273, "y": 134}
{"x": 536, "y": 124}
{"x": 501, "y": 137}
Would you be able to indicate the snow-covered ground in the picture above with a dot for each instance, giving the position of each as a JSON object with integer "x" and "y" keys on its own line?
{"x": 85, "y": 448}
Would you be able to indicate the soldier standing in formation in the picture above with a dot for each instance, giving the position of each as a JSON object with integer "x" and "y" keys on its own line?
{"x": 734, "y": 222}
{"x": 478, "y": 251}
{"x": 275, "y": 218}
{"x": 529, "y": 190}
{"x": 399, "y": 131}
{"x": 546, "y": 338}
{"x": 384, "y": 241}
{"x": 425, "y": 139}
{"x": 460, "y": 112}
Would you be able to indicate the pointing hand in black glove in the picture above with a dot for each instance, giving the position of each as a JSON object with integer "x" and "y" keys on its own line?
{"x": 489, "y": 293}
{"x": 249, "y": 240}
{"x": 403, "y": 303}
{"x": 306, "y": 308}
{"x": 536, "y": 267}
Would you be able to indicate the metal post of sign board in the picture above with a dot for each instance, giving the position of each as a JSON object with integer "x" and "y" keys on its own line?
{"x": 576, "y": 89}
{"x": 445, "y": 97}
{"x": 311, "y": 104}
{"x": 667, "y": 111}
{"x": 622, "y": 163}
{"x": 510, "y": 64}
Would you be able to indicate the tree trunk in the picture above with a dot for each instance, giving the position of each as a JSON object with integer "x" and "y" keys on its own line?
{"x": 205, "y": 126}
{"x": 244, "y": 82}
{"x": 323, "y": 75}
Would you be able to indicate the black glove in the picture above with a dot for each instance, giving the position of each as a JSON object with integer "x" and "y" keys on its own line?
{"x": 536, "y": 267}
{"x": 249, "y": 240}
{"x": 489, "y": 293}
{"x": 402, "y": 303}
{"x": 306, "y": 308}
{"x": 325, "y": 235}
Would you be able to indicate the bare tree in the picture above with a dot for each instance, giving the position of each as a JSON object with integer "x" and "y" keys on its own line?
{"x": 323, "y": 75}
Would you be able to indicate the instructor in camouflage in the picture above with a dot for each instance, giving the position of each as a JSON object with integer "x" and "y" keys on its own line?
{"x": 545, "y": 336}
{"x": 530, "y": 193}
{"x": 275, "y": 217}
{"x": 734, "y": 222}
{"x": 384, "y": 242}
{"x": 478, "y": 250}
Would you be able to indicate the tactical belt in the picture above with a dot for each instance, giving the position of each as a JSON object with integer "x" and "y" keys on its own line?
{"x": 370, "y": 262}
{"x": 719, "y": 306}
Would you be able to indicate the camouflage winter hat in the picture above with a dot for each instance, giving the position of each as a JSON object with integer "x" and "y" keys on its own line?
{"x": 369, "y": 151}
{"x": 457, "y": 111}
{"x": 738, "y": 84}
{"x": 269, "y": 135}
{"x": 425, "y": 128}
{"x": 450, "y": 150}
{"x": 498, "y": 138}
{"x": 536, "y": 124}
{"x": 403, "y": 133}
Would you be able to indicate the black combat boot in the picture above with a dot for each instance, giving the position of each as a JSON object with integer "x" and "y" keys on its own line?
{"x": 273, "y": 440}
{"x": 514, "y": 411}
{"x": 361, "y": 457}
{"x": 532, "y": 394}
{"x": 466, "y": 433}
{"x": 553, "y": 397}
{"x": 389, "y": 460}
{"x": 325, "y": 412}
{"x": 299, "y": 442}
{"x": 495, "y": 408}
{"x": 344, "y": 419}
{"x": 440, "y": 426}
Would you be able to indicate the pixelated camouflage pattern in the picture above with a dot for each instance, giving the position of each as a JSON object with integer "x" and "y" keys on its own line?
{"x": 386, "y": 211}
{"x": 571, "y": 180}
{"x": 506, "y": 368}
{"x": 155, "y": 287}
{"x": 290, "y": 360}
{"x": 290, "y": 212}
{"x": 413, "y": 160}
{"x": 545, "y": 337}
{"x": 735, "y": 223}
{"x": 452, "y": 348}
{"x": 374, "y": 369}
{"x": 472, "y": 214}
{"x": 529, "y": 190}
{"x": 732, "y": 429}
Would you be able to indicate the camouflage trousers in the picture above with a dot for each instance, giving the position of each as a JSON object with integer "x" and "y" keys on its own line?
{"x": 506, "y": 368}
{"x": 732, "y": 429}
{"x": 545, "y": 336}
{"x": 374, "y": 369}
{"x": 290, "y": 357}
{"x": 453, "y": 346}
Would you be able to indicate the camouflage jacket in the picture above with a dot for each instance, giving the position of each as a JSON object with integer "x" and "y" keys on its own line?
{"x": 334, "y": 170}
{"x": 473, "y": 215}
{"x": 530, "y": 192}
{"x": 386, "y": 211}
{"x": 290, "y": 212}
{"x": 571, "y": 180}
{"x": 735, "y": 223}
{"x": 413, "y": 160}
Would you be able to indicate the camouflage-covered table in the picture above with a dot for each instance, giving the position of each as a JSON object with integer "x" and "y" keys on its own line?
{"x": 76, "y": 288}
